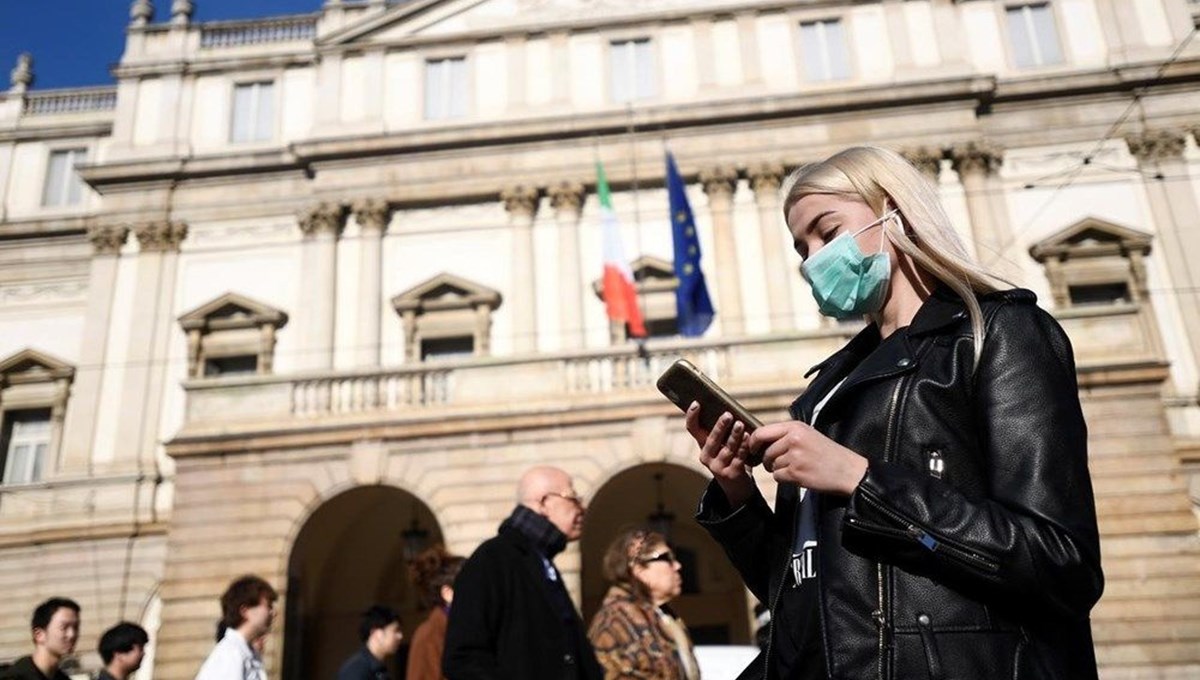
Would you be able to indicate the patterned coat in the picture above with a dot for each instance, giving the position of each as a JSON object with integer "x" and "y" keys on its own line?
{"x": 631, "y": 641}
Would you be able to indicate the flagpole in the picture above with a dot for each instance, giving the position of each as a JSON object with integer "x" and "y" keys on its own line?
{"x": 637, "y": 223}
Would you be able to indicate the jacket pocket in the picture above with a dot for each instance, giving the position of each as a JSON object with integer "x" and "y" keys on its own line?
{"x": 923, "y": 651}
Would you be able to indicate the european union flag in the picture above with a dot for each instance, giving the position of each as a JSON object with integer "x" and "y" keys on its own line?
{"x": 693, "y": 308}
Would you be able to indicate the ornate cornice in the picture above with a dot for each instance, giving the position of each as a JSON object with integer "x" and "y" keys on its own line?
{"x": 107, "y": 239}
{"x": 372, "y": 214}
{"x": 520, "y": 200}
{"x": 160, "y": 237}
{"x": 1157, "y": 145}
{"x": 323, "y": 218}
{"x": 926, "y": 159}
{"x": 766, "y": 177}
{"x": 567, "y": 196}
{"x": 973, "y": 157}
{"x": 719, "y": 180}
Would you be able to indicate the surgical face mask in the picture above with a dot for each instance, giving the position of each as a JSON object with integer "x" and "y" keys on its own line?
{"x": 845, "y": 282}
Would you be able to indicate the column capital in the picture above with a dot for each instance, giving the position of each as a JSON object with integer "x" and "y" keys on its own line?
{"x": 1156, "y": 145}
{"x": 719, "y": 181}
{"x": 971, "y": 157}
{"x": 520, "y": 200}
{"x": 372, "y": 214}
{"x": 926, "y": 159}
{"x": 766, "y": 177}
{"x": 567, "y": 196}
{"x": 325, "y": 217}
{"x": 107, "y": 239}
{"x": 160, "y": 237}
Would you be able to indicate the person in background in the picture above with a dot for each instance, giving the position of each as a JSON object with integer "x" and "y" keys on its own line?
{"x": 247, "y": 610}
{"x": 433, "y": 573}
{"x": 55, "y": 630}
{"x": 635, "y": 634}
{"x": 512, "y": 617}
{"x": 380, "y": 633}
{"x": 122, "y": 649}
{"x": 934, "y": 515}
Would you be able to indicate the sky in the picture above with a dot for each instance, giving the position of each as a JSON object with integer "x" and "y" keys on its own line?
{"x": 74, "y": 43}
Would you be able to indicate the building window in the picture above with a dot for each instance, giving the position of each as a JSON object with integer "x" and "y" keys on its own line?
{"x": 632, "y": 70}
{"x": 63, "y": 186}
{"x": 445, "y": 88}
{"x": 231, "y": 335}
{"x": 655, "y": 282}
{"x": 26, "y": 443}
{"x": 1034, "y": 38}
{"x": 1095, "y": 263}
{"x": 253, "y": 112}
{"x": 823, "y": 45}
{"x": 1098, "y": 294}
{"x": 446, "y": 317}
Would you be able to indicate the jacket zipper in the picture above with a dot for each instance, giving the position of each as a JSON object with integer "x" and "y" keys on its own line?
{"x": 931, "y": 541}
{"x": 880, "y": 613}
{"x": 775, "y": 601}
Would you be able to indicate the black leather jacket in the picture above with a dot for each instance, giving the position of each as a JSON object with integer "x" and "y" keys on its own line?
{"x": 970, "y": 549}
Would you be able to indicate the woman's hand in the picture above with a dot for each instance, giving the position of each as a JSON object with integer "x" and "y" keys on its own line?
{"x": 796, "y": 453}
{"x": 723, "y": 451}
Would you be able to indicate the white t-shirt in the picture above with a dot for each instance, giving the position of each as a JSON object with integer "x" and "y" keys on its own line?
{"x": 232, "y": 659}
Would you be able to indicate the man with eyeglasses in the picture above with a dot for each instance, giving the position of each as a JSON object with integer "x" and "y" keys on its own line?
{"x": 512, "y": 616}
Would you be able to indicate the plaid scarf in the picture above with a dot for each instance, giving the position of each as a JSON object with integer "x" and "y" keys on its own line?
{"x": 546, "y": 537}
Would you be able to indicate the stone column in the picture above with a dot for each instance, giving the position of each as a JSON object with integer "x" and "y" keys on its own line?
{"x": 779, "y": 260}
{"x": 1160, "y": 157}
{"x": 719, "y": 185}
{"x": 567, "y": 200}
{"x": 976, "y": 164}
{"x": 321, "y": 225}
{"x": 521, "y": 203}
{"x": 372, "y": 215}
{"x": 146, "y": 352}
{"x": 927, "y": 160}
{"x": 79, "y": 430}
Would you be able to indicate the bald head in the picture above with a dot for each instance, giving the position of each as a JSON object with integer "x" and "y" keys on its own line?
{"x": 548, "y": 491}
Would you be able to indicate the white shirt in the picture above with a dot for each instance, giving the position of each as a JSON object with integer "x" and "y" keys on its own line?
{"x": 232, "y": 659}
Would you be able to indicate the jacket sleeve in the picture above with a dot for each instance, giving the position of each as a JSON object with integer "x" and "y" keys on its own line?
{"x": 1031, "y": 543}
{"x": 475, "y": 616}
{"x": 744, "y": 534}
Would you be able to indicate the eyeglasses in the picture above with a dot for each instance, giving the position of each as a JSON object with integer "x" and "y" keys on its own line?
{"x": 570, "y": 498}
{"x": 664, "y": 556}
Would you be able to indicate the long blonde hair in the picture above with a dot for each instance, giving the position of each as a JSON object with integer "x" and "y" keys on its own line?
{"x": 877, "y": 176}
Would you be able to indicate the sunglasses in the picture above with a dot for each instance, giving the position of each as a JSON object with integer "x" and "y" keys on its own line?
{"x": 664, "y": 556}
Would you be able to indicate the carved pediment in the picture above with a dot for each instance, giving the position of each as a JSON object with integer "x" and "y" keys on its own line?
{"x": 233, "y": 310}
{"x": 446, "y": 291}
{"x": 30, "y": 365}
{"x": 1092, "y": 237}
{"x": 650, "y": 275}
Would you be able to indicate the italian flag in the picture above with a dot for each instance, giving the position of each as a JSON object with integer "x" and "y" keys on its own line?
{"x": 620, "y": 297}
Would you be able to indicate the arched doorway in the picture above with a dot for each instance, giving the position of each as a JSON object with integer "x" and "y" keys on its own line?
{"x": 351, "y": 553}
{"x": 713, "y": 602}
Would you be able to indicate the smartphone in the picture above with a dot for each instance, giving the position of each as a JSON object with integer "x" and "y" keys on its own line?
{"x": 683, "y": 383}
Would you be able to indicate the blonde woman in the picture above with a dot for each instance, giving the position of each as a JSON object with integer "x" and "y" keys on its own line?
{"x": 635, "y": 633}
{"x": 935, "y": 516}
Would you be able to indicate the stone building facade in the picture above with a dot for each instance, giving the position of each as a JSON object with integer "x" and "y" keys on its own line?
{"x": 300, "y": 295}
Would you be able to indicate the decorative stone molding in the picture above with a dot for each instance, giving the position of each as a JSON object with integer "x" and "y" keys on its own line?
{"x": 567, "y": 197}
{"x": 719, "y": 181}
{"x": 1094, "y": 252}
{"x": 372, "y": 214}
{"x": 160, "y": 237}
{"x": 21, "y": 77}
{"x": 446, "y": 306}
{"x": 927, "y": 160}
{"x": 232, "y": 325}
{"x": 1157, "y": 145}
{"x": 181, "y": 12}
{"x": 655, "y": 282}
{"x": 520, "y": 200}
{"x": 35, "y": 381}
{"x": 326, "y": 217}
{"x": 975, "y": 157}
{"x": 141, "y": 12}
{"x": 107, "y": 239}
{"x": 766, "y": 178}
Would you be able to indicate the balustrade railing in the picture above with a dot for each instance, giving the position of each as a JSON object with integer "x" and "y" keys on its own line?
{"x": 259, "y": 31}
{"x": 70, "y": 101}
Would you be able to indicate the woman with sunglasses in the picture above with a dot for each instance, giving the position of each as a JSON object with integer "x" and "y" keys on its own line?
{"x": 634, "y": 633}
{"x": 934, "y": 516}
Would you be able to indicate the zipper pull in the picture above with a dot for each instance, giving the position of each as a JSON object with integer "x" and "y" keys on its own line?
{"x": 885, "y": 632}
{"x": 923, "y": 538}
{"x": 937, "y": 464}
